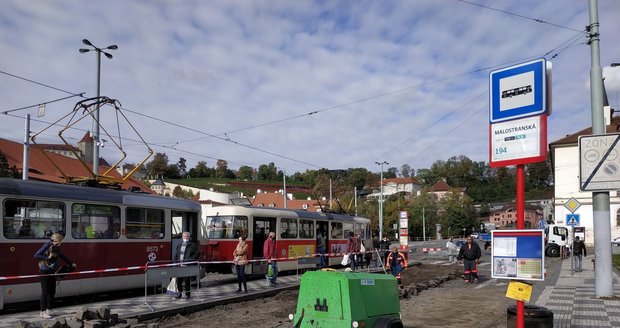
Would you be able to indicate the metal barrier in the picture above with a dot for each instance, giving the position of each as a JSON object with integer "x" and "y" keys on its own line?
{"x": 158, "y": 274}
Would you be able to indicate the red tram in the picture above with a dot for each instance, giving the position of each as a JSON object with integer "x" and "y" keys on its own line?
{"x": 104, "y": 229}
{"x": 295, "y": 234}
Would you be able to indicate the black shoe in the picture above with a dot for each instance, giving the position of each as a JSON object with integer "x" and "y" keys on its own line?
{"x": 238, "y": 291}
{"x": 178, "y": 296}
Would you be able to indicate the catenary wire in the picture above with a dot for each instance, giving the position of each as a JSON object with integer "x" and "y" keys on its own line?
{"x": 43, "y": 103}
{"x": 136, "y": 141}
{"x": 537, "y": 20}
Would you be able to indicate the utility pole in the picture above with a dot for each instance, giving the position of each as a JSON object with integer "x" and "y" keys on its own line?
{"x": 25, "y": 164}
{"x": 423, "y": 225}
{"x": 284, "y": 193}
{"x": 381, "y": 200}
{"x": 355, "y": 197}
{"x": 603, "y": 282}
{"x": 330, "y": 193}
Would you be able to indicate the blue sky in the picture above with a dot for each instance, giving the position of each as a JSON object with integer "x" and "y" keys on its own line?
{"x": 398, "y": 81}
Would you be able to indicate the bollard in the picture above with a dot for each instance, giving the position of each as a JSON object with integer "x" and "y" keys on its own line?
{"x": 535, "y": 317}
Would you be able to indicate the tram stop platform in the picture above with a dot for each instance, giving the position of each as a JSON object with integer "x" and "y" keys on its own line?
{"x": 157, "y": 305}
{"x": 161, "y": 304}
{"x": 572, "y": 299}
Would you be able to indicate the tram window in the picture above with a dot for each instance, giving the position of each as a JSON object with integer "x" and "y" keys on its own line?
{"x": 89, "y": 221}
{"x": 359, "y": 230}
{"x": 288, "y": 228}
{"x": 306, "y": 229}
{"x": 144, "y": 223}
{"x": 347, "y": 227}
{"x": 226, "y": 227}
{"x": 336, "y": 230}
{"x": 240, "y": 226}
{"x": 365, "y": 233}
{"x": 25, "y": 219}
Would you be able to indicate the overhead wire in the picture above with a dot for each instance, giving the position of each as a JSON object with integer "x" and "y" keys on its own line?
{"x": 43, "y": 103}
{"x": 486, "y": 106}
{"x": 537, "y": 20}
{"x": 569, "y": 41}
{"x": 136, "y": 141}
{"x": 434, "y": 123}
{"x": 226, "y": 138}
{"x": 176, "y": 124}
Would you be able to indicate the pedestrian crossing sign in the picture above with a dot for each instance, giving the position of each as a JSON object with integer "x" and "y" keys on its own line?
{"x": 572, "y": 219}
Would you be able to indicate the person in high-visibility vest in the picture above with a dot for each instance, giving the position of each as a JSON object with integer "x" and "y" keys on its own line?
{"x": 396, "y": 263}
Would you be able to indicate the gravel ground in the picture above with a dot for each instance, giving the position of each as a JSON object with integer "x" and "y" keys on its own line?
{"x": 452, "y": 304}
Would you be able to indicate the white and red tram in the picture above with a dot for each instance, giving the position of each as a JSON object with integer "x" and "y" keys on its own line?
{"x": 296, "y": 234}
{"x": 103, "y": 228}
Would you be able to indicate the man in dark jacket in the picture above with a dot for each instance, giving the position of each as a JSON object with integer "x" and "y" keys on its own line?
{"x": 470, "y": 253}
{"x": 579, "y": 250}
{"x": 187, "y": 251}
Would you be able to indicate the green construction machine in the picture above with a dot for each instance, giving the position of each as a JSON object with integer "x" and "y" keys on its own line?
{"x": 333, "y": 299}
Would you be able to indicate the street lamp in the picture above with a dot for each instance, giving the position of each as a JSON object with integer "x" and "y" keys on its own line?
{"x": 381, "y": 200}
{"x": 96, "y": 125}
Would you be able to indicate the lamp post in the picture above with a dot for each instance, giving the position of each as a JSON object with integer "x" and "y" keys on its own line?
{"x": 96, "y": 123}
{"x": 381, "y": 200}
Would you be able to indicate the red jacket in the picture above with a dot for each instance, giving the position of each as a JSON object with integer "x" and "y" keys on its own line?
{"x": 269, "y": 249}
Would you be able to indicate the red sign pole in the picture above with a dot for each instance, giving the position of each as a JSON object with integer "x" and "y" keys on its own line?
{"x": 520, "y": 226}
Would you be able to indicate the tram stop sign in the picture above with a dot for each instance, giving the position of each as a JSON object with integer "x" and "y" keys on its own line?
{"x": 599, "y": 162}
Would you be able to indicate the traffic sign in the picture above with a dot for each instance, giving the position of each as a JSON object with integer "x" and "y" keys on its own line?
{"x": 572, "y": 204}
{"x": 518, "y": 91}
{"x": 519, "y": 141}
{"x": 541, "y": 223}
{"x": 599, "y": 162}
{"x": 572, "y": 219}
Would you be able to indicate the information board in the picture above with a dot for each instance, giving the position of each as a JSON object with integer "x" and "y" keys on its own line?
{"x": 519, "y": 141}
{"x": 518, "y": 254}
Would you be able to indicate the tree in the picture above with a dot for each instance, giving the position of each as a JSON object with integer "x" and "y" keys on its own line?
{"x": 201, "y": 170}
{"x": 391, "y": 173}
{"x": 405, "y": 171}
{"x": 246, "y": 173}
{"x": 173, "y": 172}
{"x": 158, "y": 166}
{"x": 178, "y": 192}
{"x": 457, "y": 212}
{"x": 6, "y": 170}
{"x": 222, "y": 170}
{"x": 267, "y": 172}
{"x": 182, "y": 164}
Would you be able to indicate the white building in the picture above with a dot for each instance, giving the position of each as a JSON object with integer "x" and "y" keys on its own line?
{"x": 565, "y": 158}
{"x": 393, "y": 186}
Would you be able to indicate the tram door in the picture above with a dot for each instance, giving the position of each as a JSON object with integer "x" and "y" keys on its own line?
{"x": 321, "y": 226}
{"x": 261, "y": 228}
{"x": 183, "y": 221}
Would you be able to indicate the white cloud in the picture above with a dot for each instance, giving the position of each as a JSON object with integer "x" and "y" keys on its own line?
{"x": 221, "y": 66}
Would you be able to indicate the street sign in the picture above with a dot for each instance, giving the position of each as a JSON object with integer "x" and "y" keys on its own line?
{"x": 541, "y": 223}
{"x": 403, "y": 214}
{"x": 519, "y": 141}
{"x": 572, "y": 219}
{"x": 599, "y": 162}
{"x": 518, "y": 91}
{"x": 572, "y": 205}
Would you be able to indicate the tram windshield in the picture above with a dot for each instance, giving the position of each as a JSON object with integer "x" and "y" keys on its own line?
{"x": 226, "y": 227}
{"x": 32, "y": 219}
